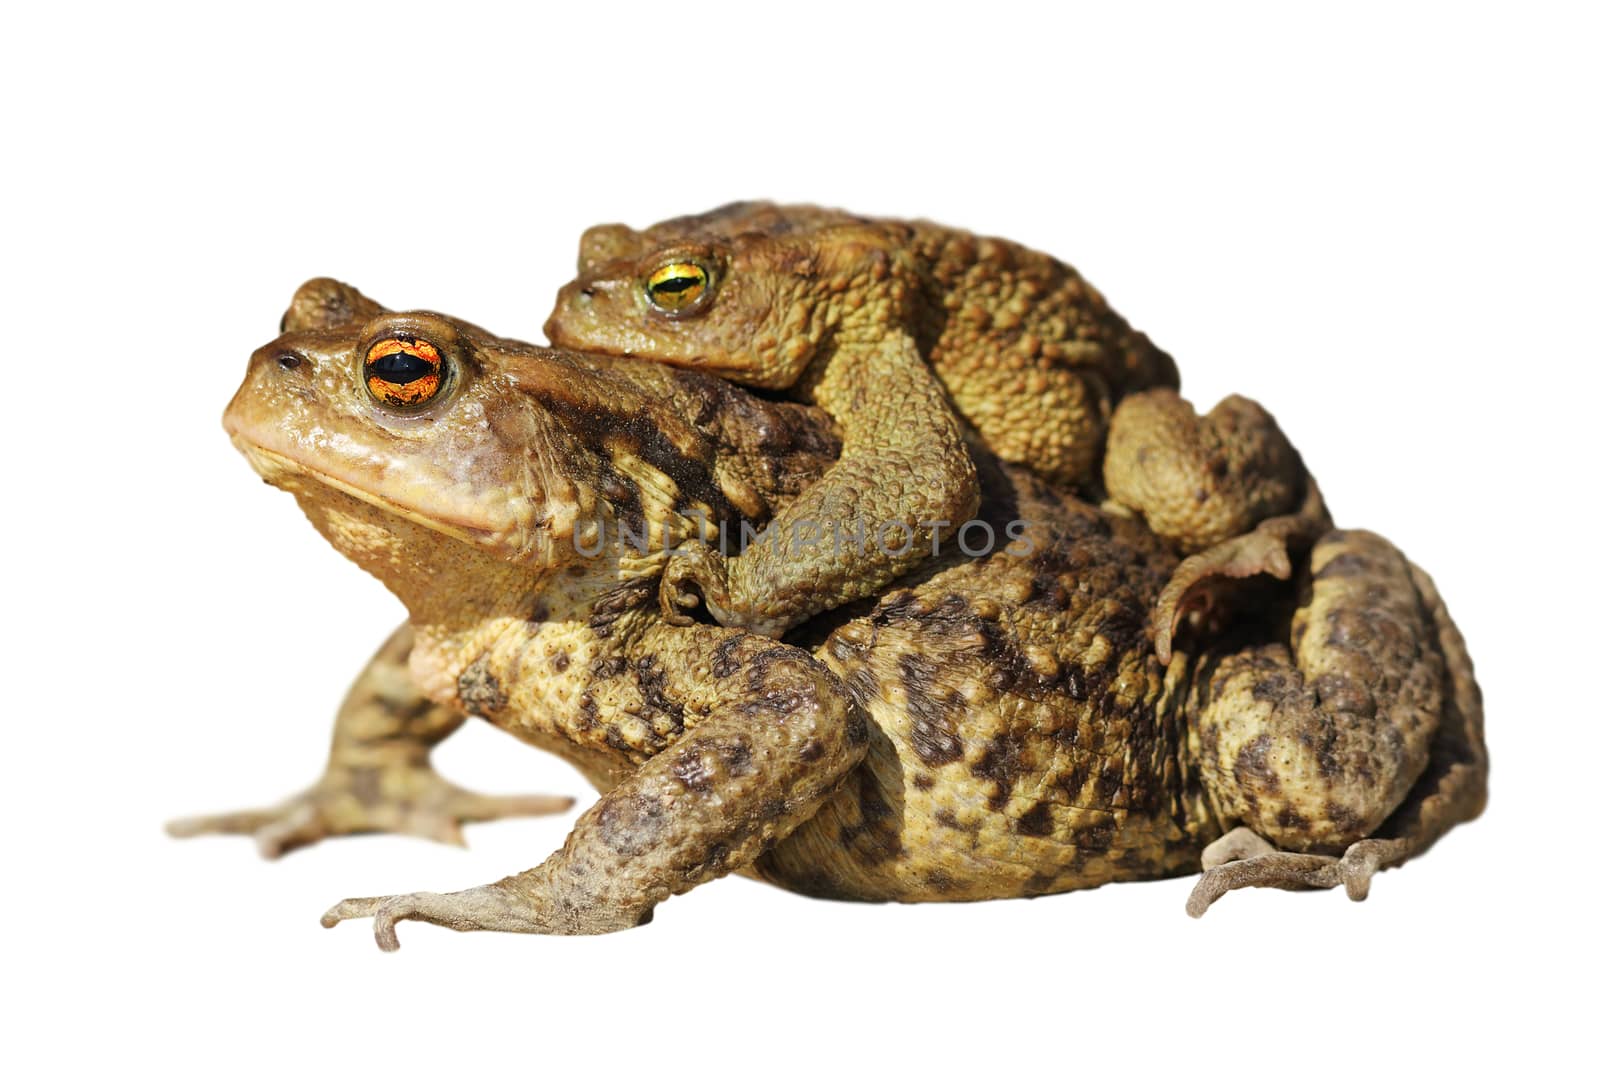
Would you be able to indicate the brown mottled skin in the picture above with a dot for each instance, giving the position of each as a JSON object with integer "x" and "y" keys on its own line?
{"x": 990, "y": 727}
{"x": 913, "y": 335}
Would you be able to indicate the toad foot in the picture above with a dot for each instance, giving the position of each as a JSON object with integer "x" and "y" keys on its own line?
{"x": 1242, "y": 858}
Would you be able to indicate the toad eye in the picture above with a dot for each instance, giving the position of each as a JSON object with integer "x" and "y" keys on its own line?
{"x": 677, "y": 287}
{"x": 403, "y": 372}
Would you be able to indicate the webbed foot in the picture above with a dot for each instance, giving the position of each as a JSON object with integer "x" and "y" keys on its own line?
{"x": 404, "y": 800}
{"x": 487, "y": 907}
{"x": 1242, "y": 858}
{"x": 525, "y": 903}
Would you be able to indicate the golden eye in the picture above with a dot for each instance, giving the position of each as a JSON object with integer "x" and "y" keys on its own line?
{"x": 403, "y": 372}
{"x": 677, "y": 286}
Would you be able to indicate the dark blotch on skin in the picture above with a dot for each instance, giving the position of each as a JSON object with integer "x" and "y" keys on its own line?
{"x": 856, "y": 730}
{"x": 479, "y": 691}
{"x": 1067, "y": 735}
{"x": 725, "y": 660}
{"x": 715, "y": 862}
{"x": 737, "y": 757}
{"x": 652, "y": 682}
{"x": 701, "y": 763}
{"x": 1001, "y": 763}
{"x": 1325, "y": 745}
{"x": 1109, "y": 788}
{"x": 877, "y": 836}
{"x": 1253, "y": 764}
{"x": 1073, "y": 681}
{"x": 1343, "y": 818}
{"x": 933, "y": 733}
{"x": 844, "y": 649}
{"x": 631, "y": 825}
{"x": 773, "y": 809}
{"x": 690, "y": 768}
{"x": 1071, "y": 783}
{"x": 873, "y": 805}
{"x": 1037, "y": 821}
{"x": 950, "y": 615}
{"x": 1274, "y": 689}
{"x": 629, "y": 596}
{"x": 623, "y": 493}
{"x": 608, "y": 667}
{"x": 862, "y": 685}
{"x": 588, "y": 712}
{"x": 1038, "y": 884}
{"x": 1095, "y": 838}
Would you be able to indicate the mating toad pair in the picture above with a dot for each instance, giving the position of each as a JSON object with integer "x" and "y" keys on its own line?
{"x": 1154, "y": 655}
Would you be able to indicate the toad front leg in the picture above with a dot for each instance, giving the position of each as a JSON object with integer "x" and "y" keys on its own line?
{"x": 378, "y": 778}
{"x": 1352, "y": 751}
{"x": 778, "y": 734}
{"x": 903, "y": 476}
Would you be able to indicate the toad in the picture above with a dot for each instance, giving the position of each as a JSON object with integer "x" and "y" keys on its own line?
{"x": 914, "y": 336}
{"x": 996, "y": 724}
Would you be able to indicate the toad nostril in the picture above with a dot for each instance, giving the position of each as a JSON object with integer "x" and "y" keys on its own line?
{"x": 288, "y": 361}
{"x": 588, "y": 293}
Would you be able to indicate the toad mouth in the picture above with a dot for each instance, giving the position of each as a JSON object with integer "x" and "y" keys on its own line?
{"x": 276, "y": 467}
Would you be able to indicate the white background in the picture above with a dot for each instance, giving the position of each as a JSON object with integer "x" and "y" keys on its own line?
{"x": 1380, "y": 222}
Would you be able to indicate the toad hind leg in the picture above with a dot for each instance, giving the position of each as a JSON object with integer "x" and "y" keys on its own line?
{"x": 1200, "y": 479}
{"x": 1227, "y": 488}
{"x": 378, "y": 776}
{"x": 1374, "y": 621}
{"x": 757, "y": 766}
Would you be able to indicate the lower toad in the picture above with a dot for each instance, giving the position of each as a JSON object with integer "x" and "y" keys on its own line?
{"x": 999, "y": 723}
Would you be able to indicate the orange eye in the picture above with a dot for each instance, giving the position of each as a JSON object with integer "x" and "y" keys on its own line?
{"x": 403, "y": 372}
